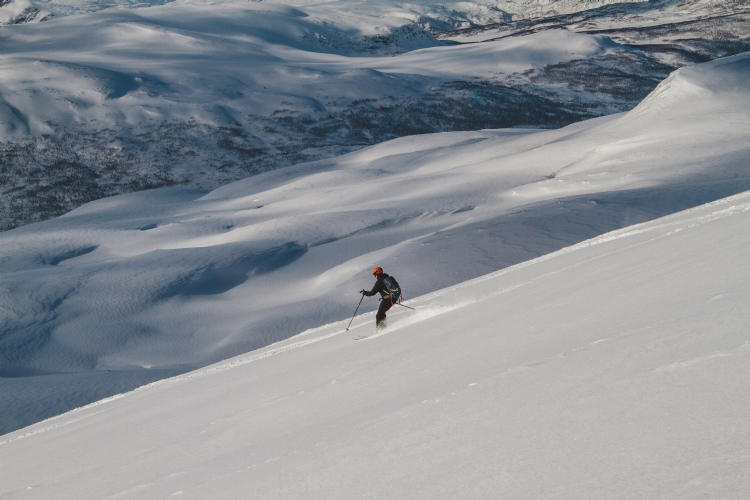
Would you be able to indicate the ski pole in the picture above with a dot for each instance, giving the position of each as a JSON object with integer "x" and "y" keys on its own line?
{"x": 355, "y": 311}
{"x": 400, "y": 304}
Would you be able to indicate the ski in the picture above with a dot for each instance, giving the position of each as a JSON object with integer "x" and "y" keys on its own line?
{"x": 368, "y": 335}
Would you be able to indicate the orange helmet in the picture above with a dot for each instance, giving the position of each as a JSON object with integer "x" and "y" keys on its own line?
{"x": 377, "y": 270}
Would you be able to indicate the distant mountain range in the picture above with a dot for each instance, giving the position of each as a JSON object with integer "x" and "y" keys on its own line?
{"x": 454, "y": 13}
{"x": 101, "y": 98}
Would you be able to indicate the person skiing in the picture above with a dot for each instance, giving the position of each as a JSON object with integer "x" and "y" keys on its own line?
{"x": 389, "y": 291}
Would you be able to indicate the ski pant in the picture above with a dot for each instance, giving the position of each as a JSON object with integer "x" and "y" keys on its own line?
{"x": 385, "y": 304}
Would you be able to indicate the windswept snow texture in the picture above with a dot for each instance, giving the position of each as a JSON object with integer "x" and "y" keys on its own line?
{"x": 617, "y": 368}
{"x": 175, "y": 279}
{"x": 134, "y": 95}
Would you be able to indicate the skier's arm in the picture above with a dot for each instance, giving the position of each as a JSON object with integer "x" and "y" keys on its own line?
{"x": 375, "y": 290}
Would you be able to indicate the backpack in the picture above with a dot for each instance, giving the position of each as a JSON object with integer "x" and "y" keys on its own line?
{"x": 394, "y": 290}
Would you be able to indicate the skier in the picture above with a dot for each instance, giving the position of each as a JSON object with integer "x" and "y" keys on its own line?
{"x": 389, "y": 291}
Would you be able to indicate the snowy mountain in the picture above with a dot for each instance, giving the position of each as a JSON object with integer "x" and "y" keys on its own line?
{"x": 615, "y": 368}
{"x": 133, "y": 288}
{"x": 21, "y": 12}
{"x": 112, "y": 97}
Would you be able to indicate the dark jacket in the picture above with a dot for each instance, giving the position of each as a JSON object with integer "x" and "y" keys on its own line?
{"x": 379, "y": 287}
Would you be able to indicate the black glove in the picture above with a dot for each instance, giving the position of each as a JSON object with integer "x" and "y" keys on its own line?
{"x": 363, "y": 291}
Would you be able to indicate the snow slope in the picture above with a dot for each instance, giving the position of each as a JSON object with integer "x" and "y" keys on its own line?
{"x": 132, "y": 288}
{"x": 615, "y": 368}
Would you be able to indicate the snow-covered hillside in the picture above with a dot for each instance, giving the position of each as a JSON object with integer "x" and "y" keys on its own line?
{"x": 136, "y": 287}
{"x": 616, "y": 368}
{"x": 140, "y": 95}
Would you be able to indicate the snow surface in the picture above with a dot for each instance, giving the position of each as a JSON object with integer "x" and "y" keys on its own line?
{"x": 133, "y": 288}
{"x": 614, "y": 368}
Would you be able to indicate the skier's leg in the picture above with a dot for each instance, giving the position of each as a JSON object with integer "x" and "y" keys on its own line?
{"x": 385, "y": 304}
